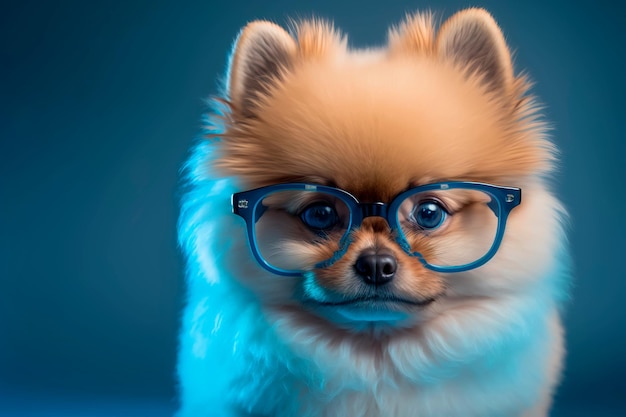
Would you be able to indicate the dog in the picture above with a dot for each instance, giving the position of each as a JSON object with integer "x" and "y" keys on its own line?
{"x": 371, "y": 232}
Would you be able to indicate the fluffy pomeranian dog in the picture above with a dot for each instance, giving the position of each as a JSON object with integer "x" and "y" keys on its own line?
{"x": 370, "y": 232}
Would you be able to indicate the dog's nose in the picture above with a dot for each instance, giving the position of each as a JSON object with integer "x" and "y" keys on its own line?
{"x": 376, "y": 268}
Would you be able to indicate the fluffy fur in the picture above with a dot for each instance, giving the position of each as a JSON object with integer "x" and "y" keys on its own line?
{"x": 433, "y": 105}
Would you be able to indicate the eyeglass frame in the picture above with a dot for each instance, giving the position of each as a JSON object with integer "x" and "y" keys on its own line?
{"x": 245, "y": 204}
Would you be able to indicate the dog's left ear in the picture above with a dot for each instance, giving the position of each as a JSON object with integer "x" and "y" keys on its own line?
{"x": 472, "y": 39}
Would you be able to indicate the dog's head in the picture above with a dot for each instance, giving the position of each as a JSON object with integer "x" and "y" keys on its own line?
{"x": 432, "y": 107}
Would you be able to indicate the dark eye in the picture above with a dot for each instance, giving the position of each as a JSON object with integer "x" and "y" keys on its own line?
{"x": 428, "y": 215}
{"x": 319, "y": 216}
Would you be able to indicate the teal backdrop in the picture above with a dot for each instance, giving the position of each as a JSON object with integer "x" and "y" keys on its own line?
{"x": 99, "y": 104}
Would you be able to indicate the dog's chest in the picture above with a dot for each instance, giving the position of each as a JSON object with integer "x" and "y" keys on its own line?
{"x": 281, "y": 393}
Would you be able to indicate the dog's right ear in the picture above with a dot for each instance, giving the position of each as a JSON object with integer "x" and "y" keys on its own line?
{"x": 262, "y": 52}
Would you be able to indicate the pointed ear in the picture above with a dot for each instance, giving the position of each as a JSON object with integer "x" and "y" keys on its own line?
{"x": 472, "y": 39}
{"x": 262, "y": 52}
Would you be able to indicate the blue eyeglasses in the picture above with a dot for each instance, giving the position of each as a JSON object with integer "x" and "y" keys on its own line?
{"x": 447, "y": 226}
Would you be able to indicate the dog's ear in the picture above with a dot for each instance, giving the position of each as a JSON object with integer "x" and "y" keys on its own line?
{"x": 414, "y": 35}
{"x": 262, "y": 52}
{"x": 472, "y": 39}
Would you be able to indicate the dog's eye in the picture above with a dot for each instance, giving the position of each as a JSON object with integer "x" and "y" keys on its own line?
{"x": 428, "y": 215}
{"x": 319, "y": 216}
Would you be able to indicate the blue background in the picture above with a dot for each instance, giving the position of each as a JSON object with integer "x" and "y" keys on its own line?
{"x": 99, "y": 103}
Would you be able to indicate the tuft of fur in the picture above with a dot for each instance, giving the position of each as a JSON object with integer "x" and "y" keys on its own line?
{"x": 434, "y": 105}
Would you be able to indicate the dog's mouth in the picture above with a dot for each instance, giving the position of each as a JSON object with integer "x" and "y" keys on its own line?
{"x": 377, "y": 301}
{"x": 371, "y": 308}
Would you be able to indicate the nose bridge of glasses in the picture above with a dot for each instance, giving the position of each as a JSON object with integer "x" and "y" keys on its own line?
{"x": 373, "y": 210}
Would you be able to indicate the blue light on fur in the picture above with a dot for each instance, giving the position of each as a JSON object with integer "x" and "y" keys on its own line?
{"x": 311, "y": 288}
{"x": 368, "y": 315}
{"x": 230, "y": 355}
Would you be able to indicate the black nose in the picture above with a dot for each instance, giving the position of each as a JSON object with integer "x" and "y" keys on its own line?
{"x": 376, "y": 268}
